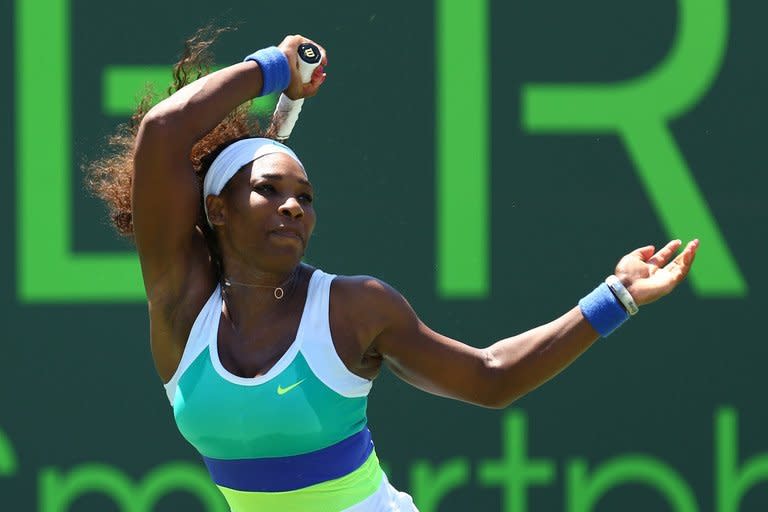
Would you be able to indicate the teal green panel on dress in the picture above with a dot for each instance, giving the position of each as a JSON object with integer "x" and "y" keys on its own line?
{"x": 304, "y": 418}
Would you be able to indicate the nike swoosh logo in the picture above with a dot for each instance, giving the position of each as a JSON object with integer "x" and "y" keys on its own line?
{"x": 281, "y": 390}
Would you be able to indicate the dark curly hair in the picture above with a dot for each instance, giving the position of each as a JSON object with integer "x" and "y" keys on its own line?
{"x": 111, "y": 177}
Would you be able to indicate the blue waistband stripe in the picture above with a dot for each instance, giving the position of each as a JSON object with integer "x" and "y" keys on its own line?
{"x": 274, "y": 474}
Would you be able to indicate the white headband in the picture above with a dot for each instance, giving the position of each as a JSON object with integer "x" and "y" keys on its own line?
{"x": 233, "y": 158}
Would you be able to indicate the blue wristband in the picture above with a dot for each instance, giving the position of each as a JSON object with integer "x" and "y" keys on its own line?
{"x": 275, "y": 70}
{"x": 603, "y": 310}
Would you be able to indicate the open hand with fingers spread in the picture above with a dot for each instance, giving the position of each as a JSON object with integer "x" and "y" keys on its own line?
{"x": 649, "y": 275}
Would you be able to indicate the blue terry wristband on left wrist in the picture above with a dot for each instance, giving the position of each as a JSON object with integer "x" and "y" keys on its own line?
{"x": 603, "y": 310}
{"x": 275, "y": 70}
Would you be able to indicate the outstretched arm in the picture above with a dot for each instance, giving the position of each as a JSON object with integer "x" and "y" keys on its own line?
{"x": 510, "y": 368}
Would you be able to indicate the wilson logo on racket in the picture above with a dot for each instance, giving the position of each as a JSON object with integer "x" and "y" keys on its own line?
{"x": 309, "y": 53}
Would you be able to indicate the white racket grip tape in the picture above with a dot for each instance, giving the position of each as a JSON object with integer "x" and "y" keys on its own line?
{"x": 287, "y": 110}
{"x": 286, "y": 114}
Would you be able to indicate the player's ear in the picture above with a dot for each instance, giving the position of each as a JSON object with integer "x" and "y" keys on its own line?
{"x": 216, "y": 210}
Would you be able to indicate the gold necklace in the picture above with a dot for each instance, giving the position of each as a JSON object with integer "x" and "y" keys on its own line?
{"x": 279, "y": 292}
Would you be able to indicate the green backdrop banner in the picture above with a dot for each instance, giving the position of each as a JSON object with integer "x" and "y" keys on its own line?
{"x": 493, "y": 160}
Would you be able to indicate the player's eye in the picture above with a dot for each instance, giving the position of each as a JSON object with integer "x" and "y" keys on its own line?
{"x": 264, "y": 188}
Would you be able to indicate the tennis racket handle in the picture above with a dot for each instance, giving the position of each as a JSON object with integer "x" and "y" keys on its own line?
{"x": 287, "y": 110}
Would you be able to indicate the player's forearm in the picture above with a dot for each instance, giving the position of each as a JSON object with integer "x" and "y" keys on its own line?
{"x": 520, "y": 364}
{"x": 187, "y": 115}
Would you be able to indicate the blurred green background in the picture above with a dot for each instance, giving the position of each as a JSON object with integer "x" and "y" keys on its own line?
{"x": 492, "y": 160}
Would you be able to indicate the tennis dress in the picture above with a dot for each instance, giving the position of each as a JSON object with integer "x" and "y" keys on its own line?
{"x": 295, "y": 439}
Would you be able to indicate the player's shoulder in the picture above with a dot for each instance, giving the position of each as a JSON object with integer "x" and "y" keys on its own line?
{"x": 364, "y": 292}
{"x": 364, "y": 286}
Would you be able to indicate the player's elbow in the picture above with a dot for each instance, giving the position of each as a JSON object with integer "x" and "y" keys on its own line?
{"x": 157, "y": 122}
{"x": 498, "y": 391}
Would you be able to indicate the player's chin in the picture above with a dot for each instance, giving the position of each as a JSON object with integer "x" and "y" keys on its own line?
{"x": 288, "y": 246}
{"x": 288, "y": 250}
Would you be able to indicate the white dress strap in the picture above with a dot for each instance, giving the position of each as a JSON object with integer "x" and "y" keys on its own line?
{"x": 206, "y": 320}
{"x": 318, "y": 348}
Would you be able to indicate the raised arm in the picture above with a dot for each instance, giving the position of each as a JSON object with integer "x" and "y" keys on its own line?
{"x": 166, "y": 197}
{"x": 497, "y": 375}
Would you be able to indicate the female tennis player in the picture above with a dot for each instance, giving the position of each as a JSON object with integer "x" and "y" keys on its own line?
{"x": 267, "y": 361}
